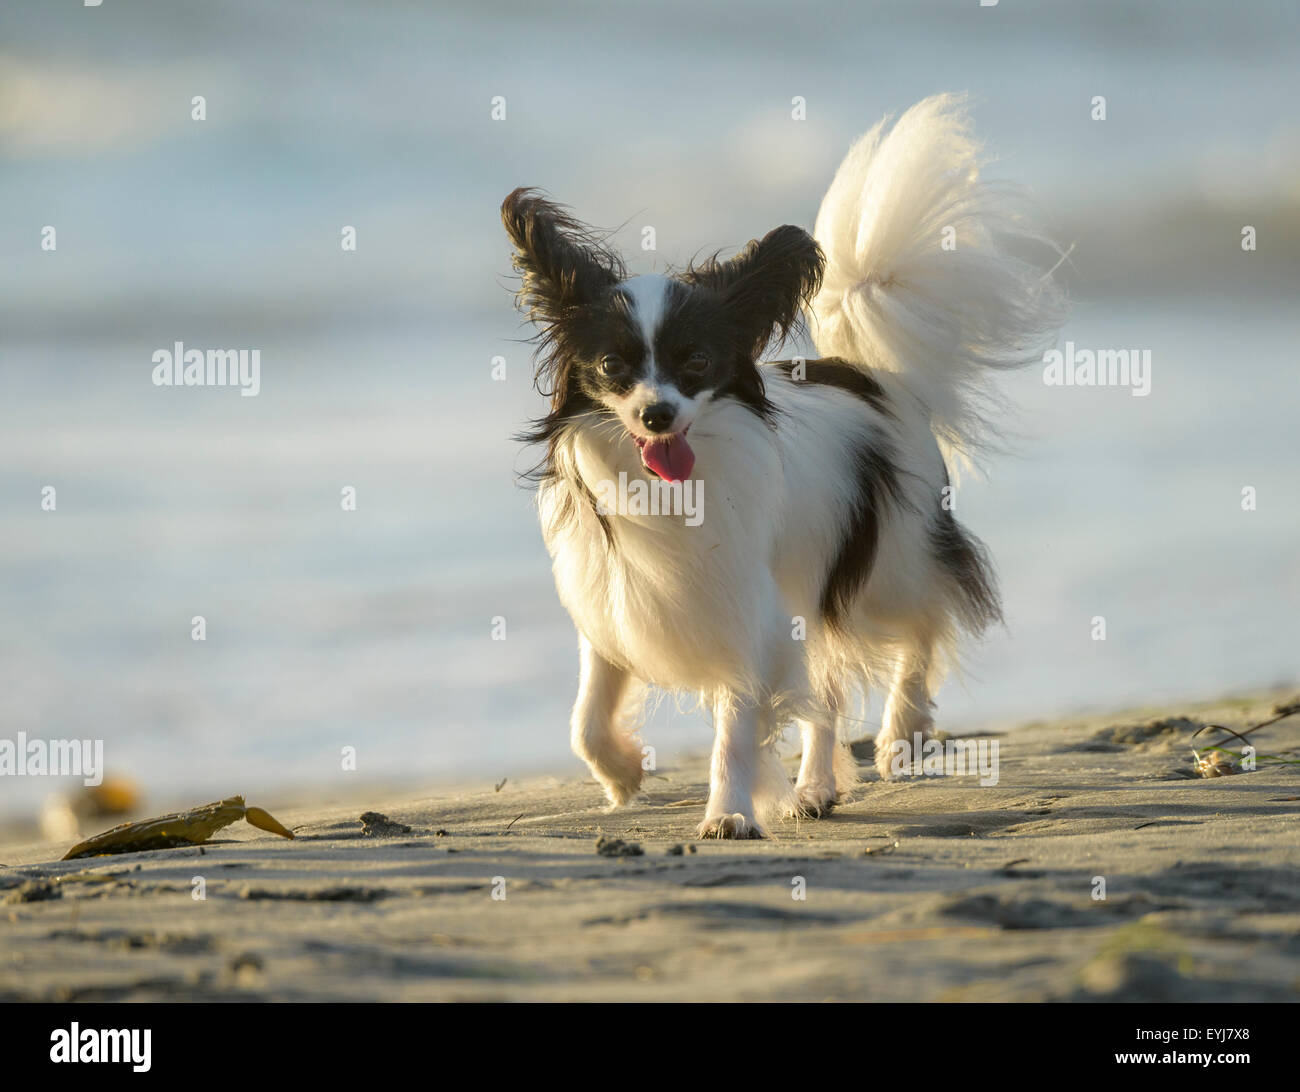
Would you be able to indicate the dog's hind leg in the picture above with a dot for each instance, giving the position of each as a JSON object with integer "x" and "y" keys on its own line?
{"x": 815, "y": 785}
{"x": 827, "y": 770}
{"x": 599, "y": 731}
{"x": 907, "y": 713}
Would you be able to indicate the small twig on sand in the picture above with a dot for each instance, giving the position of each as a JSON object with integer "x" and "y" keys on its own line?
{"x": 1281, "y": 712}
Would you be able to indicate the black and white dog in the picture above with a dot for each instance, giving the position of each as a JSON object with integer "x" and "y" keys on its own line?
{"x": 827, "y": 559}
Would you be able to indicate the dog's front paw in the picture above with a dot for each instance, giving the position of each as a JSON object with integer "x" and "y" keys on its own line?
{"x": 730, "y": 826}
{"x": 619, "y": 793}
{"x": 615, "y": 763}
{"x": 620, "y": 776}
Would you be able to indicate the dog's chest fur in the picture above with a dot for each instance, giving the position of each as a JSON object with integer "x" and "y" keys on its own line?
{"x": 676, "y": 604}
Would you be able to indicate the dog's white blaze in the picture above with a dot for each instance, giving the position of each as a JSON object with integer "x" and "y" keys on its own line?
{"x": 648, "y": 295}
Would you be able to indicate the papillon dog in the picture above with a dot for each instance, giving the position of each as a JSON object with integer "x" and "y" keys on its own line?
{"x": 826, "y": 559}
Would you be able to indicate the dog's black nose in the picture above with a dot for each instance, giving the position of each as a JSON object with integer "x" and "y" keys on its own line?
{"x": 658, "y": 417}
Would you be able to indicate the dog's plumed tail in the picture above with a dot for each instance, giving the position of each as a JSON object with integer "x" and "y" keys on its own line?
{"x": 932, "y": 272}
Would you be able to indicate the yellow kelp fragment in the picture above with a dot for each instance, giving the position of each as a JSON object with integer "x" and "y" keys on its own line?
{"x": 184, "y": 828}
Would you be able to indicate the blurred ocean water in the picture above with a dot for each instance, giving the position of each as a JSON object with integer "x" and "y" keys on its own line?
{"x": 372, "y": 628}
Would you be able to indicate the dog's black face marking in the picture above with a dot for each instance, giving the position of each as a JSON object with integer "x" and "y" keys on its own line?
{"x": 694, "y": 342}
{"x": 606, "y": 347}
{"x": 703, "y": 344}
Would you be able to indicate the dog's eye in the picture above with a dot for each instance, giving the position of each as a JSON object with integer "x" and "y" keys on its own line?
{"x": 612, "y": 366}
{"x": 697, "y": 362}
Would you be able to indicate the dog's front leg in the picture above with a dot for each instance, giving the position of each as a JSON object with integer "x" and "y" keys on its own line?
{"x": 733, "y": 771}
{"x": 597, "y": 732}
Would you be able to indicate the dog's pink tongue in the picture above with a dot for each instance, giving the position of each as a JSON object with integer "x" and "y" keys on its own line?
{"x": 671, "y": 459}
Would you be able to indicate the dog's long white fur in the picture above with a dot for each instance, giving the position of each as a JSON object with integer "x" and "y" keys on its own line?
{"x": 716, "y": 609}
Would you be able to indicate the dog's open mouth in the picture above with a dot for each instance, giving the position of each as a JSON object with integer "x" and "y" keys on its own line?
{"x": 671, "y": 457}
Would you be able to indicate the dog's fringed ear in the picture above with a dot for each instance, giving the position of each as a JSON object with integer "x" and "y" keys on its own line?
{"x": 562, "y": 262}
{"x": 768, "y": 284}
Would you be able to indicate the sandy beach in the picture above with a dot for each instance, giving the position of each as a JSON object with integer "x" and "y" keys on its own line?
{"x": 931, "y": 889}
